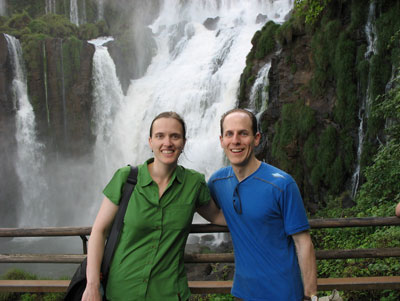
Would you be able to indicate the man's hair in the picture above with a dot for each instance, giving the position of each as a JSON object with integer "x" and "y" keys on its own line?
{"x": 252, "y": 117}
{"x": 173, "y": 115}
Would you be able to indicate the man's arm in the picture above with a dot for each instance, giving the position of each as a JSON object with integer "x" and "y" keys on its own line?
{"x": 212, "y": 213}
{"x": 398, "y": 209}
{"x": 307, "y": 262}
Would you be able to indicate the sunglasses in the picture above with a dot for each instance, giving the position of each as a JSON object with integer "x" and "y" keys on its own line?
{"x": 237, "y": 202}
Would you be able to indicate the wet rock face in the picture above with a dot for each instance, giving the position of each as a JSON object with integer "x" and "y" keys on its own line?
{"x": 261, "y": 19}
{"x": 61, "y": 95}
{"x": 211, "y": 23}
{"x": 61, "y": 92}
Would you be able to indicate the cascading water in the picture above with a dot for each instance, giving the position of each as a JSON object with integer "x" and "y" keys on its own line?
{"x": 363, "y": 112}
{"x": 46, "y": 95}
{"x": 100, "y": 10}
{"x": 2, "y": 7}
{"x": 73, "y": 12}
{"x": 83, "y": 17}
{"x": 259, "y": 91}
{"x": 107, "y": 98}
{"x": 50, "y": 7}
{"x": 30, "y": 156}
{"x": 195, "y": 72}
{"x": 64, "y": 105}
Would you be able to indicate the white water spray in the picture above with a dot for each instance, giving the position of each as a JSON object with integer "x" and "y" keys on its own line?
{"x": 100, "y": 9}
{"x": 30, "y": 156}
{"x": 196, "y": 73}
{"x": 73, "y": 12}
{"x": 259, "y": 91}
{"x": 83, "y": 17}
{"x": 363, "y": 112}
{"x": 50, "y": 7}
{"x": 3, "y": 7}
{"x": 107, "y": 98}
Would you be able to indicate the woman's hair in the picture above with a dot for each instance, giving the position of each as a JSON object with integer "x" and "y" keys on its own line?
{"x": 170, "y": 115}
{"x": 252, "y": 117}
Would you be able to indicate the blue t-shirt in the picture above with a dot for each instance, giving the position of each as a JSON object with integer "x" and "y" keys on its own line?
{"x": 266, "y": 266}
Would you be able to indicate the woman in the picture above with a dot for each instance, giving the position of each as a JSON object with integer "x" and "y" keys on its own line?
{"x": 148, "y": 260}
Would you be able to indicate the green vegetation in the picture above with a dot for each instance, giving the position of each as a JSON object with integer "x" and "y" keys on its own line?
{"x": 212, "y": 297}
{"x": 378, "y": 196}
{"x": 34, "y": 29}
{"x": 264, "y": 43}
{"x": 320, "y": 151}
{"x": 311, "y": 10}
{"x": 16, "y": 274}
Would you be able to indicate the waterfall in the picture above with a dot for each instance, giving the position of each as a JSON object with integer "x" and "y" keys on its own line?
{"x": 100, "y": 10}
{"x": 3, "y": 7}
{"x": 194, "y": 72}
{"x": 30, "y": 156}
{"x": 83, "y": 18}
{"x": 64, "y": 105}
{"x": 107, "y": 98}
{"x": 73, "y": 12}
{"x": 50, "y": 7}
{"x": 363, "y": 112}
{"x": 46, "y": 95}
{"x": 259, "y": 91}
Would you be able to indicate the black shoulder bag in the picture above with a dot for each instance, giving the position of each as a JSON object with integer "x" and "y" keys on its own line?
{"x": 78, "y": 282}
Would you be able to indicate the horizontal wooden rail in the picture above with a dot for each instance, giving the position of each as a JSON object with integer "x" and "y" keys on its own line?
{"x": 224, "y": 287}
{"x": 203, "y": 228}
{"x": 202, "y": 258}
{"x": 199, "y": 287}
{"x": 45, "y": 231}
{"x": 354, "y": 222}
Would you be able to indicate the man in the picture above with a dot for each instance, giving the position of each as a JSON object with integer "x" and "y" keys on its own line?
{"x": 274, "y": 254}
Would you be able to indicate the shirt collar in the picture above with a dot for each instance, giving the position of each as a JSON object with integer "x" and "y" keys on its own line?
{"x": 145, "y": 178}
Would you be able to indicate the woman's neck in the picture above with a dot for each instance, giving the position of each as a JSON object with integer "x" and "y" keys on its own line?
{"x": 161, "y": 174}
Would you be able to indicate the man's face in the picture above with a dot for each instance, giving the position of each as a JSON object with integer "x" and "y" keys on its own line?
{"x": 238, "y": 140}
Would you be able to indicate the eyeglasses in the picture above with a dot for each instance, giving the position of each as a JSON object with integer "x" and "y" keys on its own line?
{"x": 237, "y": 202}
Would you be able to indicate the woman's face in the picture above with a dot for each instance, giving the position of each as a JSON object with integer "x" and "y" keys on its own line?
{"x": 167, "y": 140}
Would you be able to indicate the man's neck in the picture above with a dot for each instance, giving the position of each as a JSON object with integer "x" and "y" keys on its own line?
{"x": 242, "y": 172}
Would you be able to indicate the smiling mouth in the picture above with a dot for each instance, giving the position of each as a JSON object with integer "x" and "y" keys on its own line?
{"x": 235, "y": 150}
{"x": 167, "y": 151}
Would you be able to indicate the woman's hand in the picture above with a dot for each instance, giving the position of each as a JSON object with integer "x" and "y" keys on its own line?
{"x": 92, "y": 293}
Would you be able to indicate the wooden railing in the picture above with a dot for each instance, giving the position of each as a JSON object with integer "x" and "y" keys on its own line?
{"x": 355, "y": 283}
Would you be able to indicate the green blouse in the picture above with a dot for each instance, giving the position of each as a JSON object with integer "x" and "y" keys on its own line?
{"x": 148, "y": 261}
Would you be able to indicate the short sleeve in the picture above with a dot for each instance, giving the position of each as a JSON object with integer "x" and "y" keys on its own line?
{"x": 204, "y": 193}
{"x": 210, "y": 185}
{"x": 294, "y": 213}
{"x": 113, "y": 190}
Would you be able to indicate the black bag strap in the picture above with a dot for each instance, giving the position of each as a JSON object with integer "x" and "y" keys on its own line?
{"x": 118, "y": 222}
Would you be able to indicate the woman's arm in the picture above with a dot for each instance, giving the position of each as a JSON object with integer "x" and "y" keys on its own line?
{"x": 100, "y": 229}
{"x": 398, "y": 209}
{"x": 212, "y": 213}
